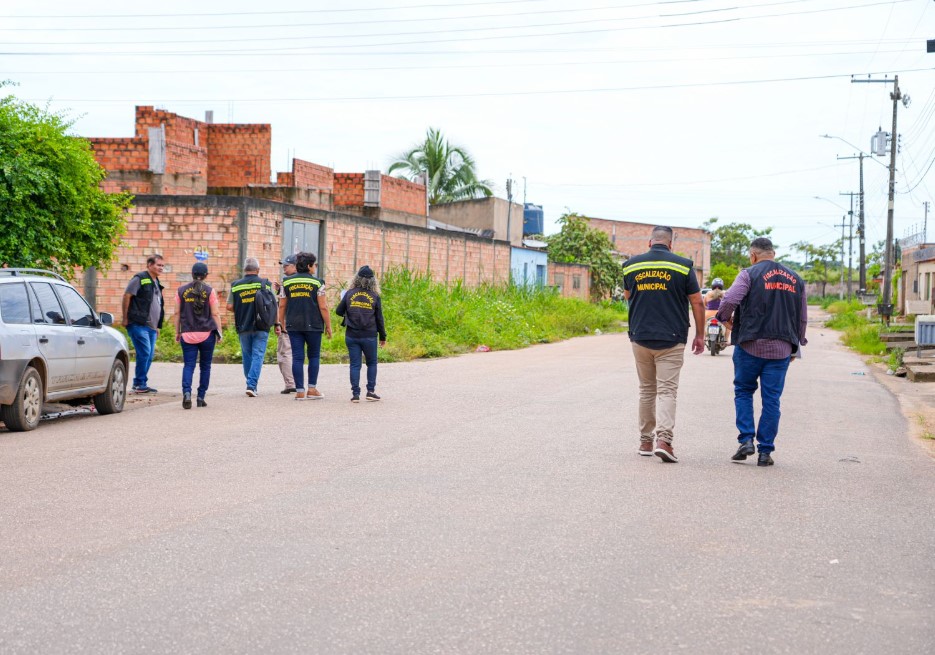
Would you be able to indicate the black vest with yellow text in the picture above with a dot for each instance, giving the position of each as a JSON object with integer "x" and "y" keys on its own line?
{"x": 658, "y": 282}
{"x": 192, "y": 299}
{"x": 138, "y": 311}
{"x": 243, "y": 292}
{"x": 302, "y": 312}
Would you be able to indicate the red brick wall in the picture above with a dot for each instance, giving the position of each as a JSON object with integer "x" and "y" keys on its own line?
{"x": 384, "y": 246}
{"x": 402, "y": 195}
{"x": 633, "y": 239}
{"x": 307, "y": 174}
{"x": 348, "y": 189}
{"x": 175, "y": 233}
{"x": 564, "y": 275}
{"x": 238, "y": 155}
{"x": 121, "y": 154}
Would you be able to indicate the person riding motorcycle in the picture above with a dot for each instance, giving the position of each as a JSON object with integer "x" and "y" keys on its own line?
{"x": 712, "y": 301}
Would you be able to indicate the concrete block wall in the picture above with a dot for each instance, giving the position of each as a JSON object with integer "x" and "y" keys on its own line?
{"x": 402, "y": 195}
{"x": 121, "y": 153}
{"x": 307, "y": 174}
{"x": 354, "y": 241}
{"x": 176, "y": 233}
{"x": 563, "y": 275}
{"x": 238, "y": 154}
{"x": 633, "y": 238}
{"x": 348, "y": 189}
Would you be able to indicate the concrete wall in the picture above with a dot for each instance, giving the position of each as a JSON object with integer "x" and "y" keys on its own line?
{"x": 483, "y": 214}
{"x": 524, "y": 263}
{"x": 228, "y": 229}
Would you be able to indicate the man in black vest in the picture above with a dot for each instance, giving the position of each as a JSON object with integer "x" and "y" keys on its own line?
{"x": 767, "y": 312}
{"x": 143, "y": 313}
{"x": 659, "y": 286}
{"x": 252, "y": 341}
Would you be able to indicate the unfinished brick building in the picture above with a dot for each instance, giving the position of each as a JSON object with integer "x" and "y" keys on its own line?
{"x": 629, "y": 238}
{"x": 205, "y": 189}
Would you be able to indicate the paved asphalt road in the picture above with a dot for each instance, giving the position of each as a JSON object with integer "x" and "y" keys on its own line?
{"x": 492, "y": 503}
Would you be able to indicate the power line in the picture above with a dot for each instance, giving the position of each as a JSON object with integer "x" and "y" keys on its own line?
{"x": 508, "y": 93}
{"x": 445, "y": 40}
{"x": 376, "y": 21}
{"x": 681, "y": 183}
{"x": 297, "y": 11}
{"x": 498, "y": 65}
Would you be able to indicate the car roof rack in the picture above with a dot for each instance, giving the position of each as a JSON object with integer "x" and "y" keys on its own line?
{"x": 41, "y": 272}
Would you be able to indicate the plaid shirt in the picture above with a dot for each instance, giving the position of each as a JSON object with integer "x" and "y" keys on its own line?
{"x": 763, "y": 348}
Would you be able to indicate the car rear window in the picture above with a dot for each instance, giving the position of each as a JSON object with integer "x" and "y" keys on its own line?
{"x": 14, "y": 303}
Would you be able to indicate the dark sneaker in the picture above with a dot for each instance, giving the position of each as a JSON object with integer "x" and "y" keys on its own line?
{"x": 664, "y": 452}
{"x": 646, "y": 448}
{"x": 764, "y": 460}
{"x": 146, "y": 390}
{"x": 187, "y": 400}
{"x": 746, "y": 449}
{"x": 355, "y": 398}
{"x": 372, "y": 397}
{"x": 251, "y": 392}
{"x": 288, "y": 390}
{"x": 202, "y": 403}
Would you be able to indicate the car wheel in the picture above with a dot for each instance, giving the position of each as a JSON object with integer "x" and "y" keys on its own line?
{"x": 112, "y": 399}
{"x": 26, "y": 410}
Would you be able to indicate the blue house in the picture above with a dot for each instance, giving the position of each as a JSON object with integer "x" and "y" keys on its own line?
{"x": 528, "y": 267}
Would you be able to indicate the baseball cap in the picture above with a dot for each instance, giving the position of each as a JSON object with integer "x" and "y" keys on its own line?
{"x": 289, "y": 260}
{"x": 200, "y": 269}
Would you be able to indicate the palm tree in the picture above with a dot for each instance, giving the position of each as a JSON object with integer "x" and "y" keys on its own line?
{"x": 450, "y": 170}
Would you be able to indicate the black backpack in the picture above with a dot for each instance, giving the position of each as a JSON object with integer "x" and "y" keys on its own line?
{"x": 267, "y": 309}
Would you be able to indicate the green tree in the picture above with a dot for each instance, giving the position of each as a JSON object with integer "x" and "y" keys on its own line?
{"x": 726, "y": 272}
{"x": 52, "y": 212}
{"x": 730, "y": 243}
{"x": 450, "y": 169}
{"x": 579, "y": 243}
{"x": 819, "y": 262}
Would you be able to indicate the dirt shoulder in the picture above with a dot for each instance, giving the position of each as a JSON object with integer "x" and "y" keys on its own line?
{"x": 916, "y": 399}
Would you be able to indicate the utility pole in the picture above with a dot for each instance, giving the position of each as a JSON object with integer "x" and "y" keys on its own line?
{"x": 925, "y": 224}
{"x": 509, "y": 206}
{"x": 886, "y": 307}
{"x": 841, "y": 290}
{"x": 850, "y": 240}
{"x": 862, "y": 247}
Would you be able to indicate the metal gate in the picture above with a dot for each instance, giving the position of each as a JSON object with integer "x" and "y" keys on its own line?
{"x": 300, "y": 236}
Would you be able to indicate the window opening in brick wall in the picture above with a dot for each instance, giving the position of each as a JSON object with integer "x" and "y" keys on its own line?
{"x": 559, "y": 279}
{"x": 575, "y": 281}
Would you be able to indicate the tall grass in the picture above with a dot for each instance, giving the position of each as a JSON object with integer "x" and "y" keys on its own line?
{"x": 858, "y": 333}
{"x": 425, "y": 319}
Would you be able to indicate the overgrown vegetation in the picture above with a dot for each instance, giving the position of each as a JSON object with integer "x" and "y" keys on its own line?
{"x": 579, "y": 243}
{"x": 427, "y": 319}
{"x": 859, "y": 333}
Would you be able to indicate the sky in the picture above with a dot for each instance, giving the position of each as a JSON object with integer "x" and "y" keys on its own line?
{"x": 667, "y": 112}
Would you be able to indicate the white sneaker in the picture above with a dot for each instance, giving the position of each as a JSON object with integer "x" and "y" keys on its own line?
{"x": 251, "y": 393}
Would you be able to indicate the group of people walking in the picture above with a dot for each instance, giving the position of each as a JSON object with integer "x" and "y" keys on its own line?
{"x": 302, "y": 318}
{"x": 765, "y": 312}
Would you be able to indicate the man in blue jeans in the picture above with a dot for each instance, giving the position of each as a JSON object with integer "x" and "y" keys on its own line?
{"x": 252, "y": 341}
{"x": 143, "y": 313}
{"x": 767, "y": 313}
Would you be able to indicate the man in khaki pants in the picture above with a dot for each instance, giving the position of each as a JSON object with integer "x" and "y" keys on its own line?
{"x": 284, "y": 348}
{"x": 659, "y": 286}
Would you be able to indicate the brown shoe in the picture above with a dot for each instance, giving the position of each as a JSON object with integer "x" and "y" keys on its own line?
{"x": 664, "y": 452}
{"x": 313, "y": 394}
{"x": 646, "y": 448}
{"x": 300, "y": 394}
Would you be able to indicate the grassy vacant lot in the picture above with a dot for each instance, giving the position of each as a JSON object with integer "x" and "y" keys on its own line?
{"x": 428, "y": 319}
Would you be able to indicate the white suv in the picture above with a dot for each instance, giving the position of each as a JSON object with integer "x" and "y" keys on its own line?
{"x": 55, "y": 348}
